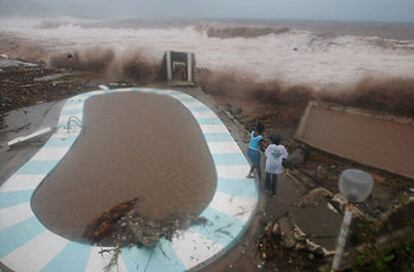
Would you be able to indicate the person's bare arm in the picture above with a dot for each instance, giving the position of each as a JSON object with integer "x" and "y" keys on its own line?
{"x": 262, "y": 145}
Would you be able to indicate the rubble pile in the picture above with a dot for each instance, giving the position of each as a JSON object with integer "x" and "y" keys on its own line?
{"x": 123, "y": 226}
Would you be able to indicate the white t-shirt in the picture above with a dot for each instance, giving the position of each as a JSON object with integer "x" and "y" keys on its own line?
{"x": 274, "y": 156}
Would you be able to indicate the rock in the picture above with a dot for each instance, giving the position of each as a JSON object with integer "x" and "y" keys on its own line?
{"x": 260, "y": 266}
{"x": 298, "y": 235}
{"x": 316, "y": 249}
{"x": 269, "y": 227}
{"x": 311, "y": 256}
{"x": 296, "y": 158}
{"x": 300, "y": 246}
{"x": 338, "y": 201}
{"x": 315, "y": 197}
{"x": 400, "y": 215}
{"x": 276, "y": 229}
{"x": 5, "y": 99}
{"x": 289, "y": 242}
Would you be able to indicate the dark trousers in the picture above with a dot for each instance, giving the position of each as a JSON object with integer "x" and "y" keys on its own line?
{"x": 271, "y": 183}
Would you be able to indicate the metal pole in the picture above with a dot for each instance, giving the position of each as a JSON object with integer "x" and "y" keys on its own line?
{"x": 169, "y": 65}
{"x": 190, "y": 67}
{"x": 343, "y": 234}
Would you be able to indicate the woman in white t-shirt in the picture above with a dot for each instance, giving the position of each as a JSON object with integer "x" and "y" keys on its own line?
{"x": 275, "y": 153}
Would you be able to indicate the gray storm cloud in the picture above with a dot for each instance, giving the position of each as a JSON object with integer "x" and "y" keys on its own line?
{"x": 350, "y": 10}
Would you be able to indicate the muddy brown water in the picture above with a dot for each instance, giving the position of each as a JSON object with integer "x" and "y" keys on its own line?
{"x": 133, "y": 145}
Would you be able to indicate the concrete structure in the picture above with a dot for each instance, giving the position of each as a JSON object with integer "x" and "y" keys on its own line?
{"x": 377, "y": 140}
{"x": 178, "y": 66}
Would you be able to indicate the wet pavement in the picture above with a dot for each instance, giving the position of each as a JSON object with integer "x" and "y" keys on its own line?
{"x": 23, "y": 122}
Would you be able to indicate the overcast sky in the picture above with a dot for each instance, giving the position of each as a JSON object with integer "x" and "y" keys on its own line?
{"x": 351, "y": 10}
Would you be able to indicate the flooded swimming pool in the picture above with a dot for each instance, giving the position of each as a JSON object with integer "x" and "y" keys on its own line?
{"x": 131, "y": 145}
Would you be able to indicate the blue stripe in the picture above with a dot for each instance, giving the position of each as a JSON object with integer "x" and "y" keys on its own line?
{"x": 165, "y": 258}
{"x": 8, "y": 199}
{"x": 136, "y": 259}
{"x": 229, "y": 159}
{"x": 239, "y": 187}
{"x": 221, "y": 228}
{"x": 188, "y": 99}
{"x": 17, "y": 235}
{"x": 74, "y": 257}
{"x": 209, "y": 121}
{"x": 136, "y": 89}
{"x": 37, "y": 167}
{"x": 61, "y": 142}
{"x": 218, "y": 137}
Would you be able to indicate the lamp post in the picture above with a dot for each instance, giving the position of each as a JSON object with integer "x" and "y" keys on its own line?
{"x": 356, "y": 185}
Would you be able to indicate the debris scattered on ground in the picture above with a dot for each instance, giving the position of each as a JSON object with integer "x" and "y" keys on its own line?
{"x": 122, "y": 226}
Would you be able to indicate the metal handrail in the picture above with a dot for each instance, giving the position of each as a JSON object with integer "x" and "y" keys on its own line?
{"x": 74, "y": 119}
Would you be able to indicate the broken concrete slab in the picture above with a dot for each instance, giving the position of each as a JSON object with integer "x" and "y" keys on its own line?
{"x": 25, "y": 121}
{"x": 315, "y": 197}
{"x": 320, "y": 224}
{"x": 7, "y": 63}
{"x": 377, "y": 140}
{"x": 34, "y": 135}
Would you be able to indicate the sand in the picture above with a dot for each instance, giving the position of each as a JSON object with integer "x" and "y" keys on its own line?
{"x": 134, "y": 145}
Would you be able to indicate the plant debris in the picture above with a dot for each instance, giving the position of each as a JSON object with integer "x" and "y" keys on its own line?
{"x": 123, "y": 226}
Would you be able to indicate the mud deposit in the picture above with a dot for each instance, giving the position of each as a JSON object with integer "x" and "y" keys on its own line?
{"x": 133, "y": 145}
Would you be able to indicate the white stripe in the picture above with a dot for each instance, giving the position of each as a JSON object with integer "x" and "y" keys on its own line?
{"x": 21, "y": 182}
{"x": 228, "y": 147}
{"x": 145, "y": 90}
{"x": 232, "y": 171}
{"x": 193, "y": 249}
{"x": 14, "y": 215}
{"x": 193, "y": 104}
{"x": 35, "y": 254}
{"x": 73, "y": 106}
{"x": 66, "y": 116}
{"x": 97, "y": 262}
{"x": 51, "y": 153}
{"x": 239, "y": 207}
{"x": 204, "y": 114}
{"x": 213, "y": 128}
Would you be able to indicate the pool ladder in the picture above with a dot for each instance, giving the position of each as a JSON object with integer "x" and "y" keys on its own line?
{"x": 75, "y": 120}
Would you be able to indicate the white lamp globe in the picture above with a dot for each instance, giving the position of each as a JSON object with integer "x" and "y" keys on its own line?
{"x": 356, "y": 185}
